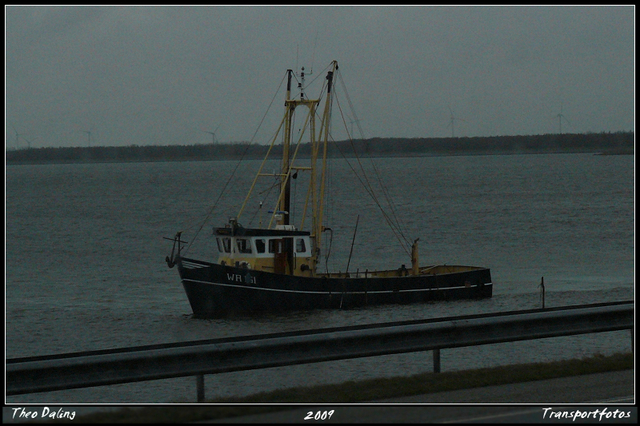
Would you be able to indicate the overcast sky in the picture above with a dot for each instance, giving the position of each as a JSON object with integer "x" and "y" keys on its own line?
{"x": 167, "y": 75}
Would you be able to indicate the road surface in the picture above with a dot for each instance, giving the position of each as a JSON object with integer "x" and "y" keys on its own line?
{"x": 613, "y": 390}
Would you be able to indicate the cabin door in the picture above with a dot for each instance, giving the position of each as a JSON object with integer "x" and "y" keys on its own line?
{"x": 279, "y": 257}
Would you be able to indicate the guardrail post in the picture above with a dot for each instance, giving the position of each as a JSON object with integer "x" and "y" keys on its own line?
{"x": 189, "y": 359}
{"x": 200, "y": 387}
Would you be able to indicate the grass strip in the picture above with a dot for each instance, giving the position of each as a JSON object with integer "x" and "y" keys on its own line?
{"x": 365, "y": 390}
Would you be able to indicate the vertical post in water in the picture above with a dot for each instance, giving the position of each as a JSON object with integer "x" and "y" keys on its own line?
{"x": 436, "y": 360}
{"x": 200, "y": 387}
{"x": 346, "y": 273}
{"x": 542, "y": 287}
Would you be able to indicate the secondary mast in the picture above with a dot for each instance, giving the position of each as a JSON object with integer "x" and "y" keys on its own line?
{"x": 318, "y": 137}
{"x": 285, "y": 188}
{"x": 324, "y": 129}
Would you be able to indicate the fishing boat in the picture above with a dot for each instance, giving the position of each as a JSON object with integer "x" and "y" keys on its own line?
{"x": 276, "y": 267}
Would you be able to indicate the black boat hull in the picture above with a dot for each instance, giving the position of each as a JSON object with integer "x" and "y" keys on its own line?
{"x": 216, "y": 291}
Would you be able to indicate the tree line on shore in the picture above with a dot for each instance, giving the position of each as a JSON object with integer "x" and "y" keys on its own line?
{"x": 607, "y": 143}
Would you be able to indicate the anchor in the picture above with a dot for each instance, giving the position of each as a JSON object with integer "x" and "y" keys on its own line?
{"x": 171, "y": 259}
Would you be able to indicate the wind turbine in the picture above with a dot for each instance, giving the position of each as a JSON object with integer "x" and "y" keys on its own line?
{"x": 213, "y": 134}
{"x": 451, "y": 122}
{"x": 352, "y": 122}
{"x": 28, "y": 142}
{"x": 560, "y": 117}
{"x": 17, "y": 135}
{"x": 88, "y": 135}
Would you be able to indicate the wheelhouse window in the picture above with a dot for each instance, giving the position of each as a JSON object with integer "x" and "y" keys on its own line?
{"x": 260, "y": 245}
{"x": 244, "y": 245}
{"x": 224, "y": 245}
{"x": 301, "y": 247}
{"x": 275, "y": 246}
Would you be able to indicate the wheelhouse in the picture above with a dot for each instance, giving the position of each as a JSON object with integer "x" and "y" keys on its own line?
{"x": 262, "y": 246}
{"x": 280, "y": 250}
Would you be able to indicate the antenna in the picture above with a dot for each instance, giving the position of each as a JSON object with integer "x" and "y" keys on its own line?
{"x": 313, "y": 55}
{"x": 301, "y": 82}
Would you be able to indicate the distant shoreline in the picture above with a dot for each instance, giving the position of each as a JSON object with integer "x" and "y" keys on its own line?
{"x": 619, "y": 143}
{"x": 427, "y": 155}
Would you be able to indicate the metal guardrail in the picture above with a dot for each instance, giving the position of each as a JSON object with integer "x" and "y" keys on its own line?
{"x": 154, "y": 362}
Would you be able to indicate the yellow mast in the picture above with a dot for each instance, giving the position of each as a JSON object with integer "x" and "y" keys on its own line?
{"x": 316, "y": 184}
{"x": 285, "y": 187}
{"x": 324, "y": 128}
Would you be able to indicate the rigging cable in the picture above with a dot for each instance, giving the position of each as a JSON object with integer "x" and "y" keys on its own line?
{"x": 313, "y": 55}
{"x": 329, "y": 208}
{"x": 369, "y": 190}
{"x": 275, "y": 184}
{"x": 321, "y": 73}
{"x": 385, "y": 191}
{"x": 367, "y": 186}
{"x": 244, "y": 152}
